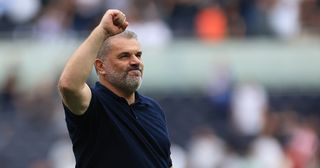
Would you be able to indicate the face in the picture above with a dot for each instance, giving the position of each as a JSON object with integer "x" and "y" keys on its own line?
{"x": 123, "y": 66}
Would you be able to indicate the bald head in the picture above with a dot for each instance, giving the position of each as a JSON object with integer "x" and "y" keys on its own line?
{"x": 106, "y": 46}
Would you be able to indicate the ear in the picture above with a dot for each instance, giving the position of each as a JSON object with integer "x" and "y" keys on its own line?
{"x": 99, "y": 67}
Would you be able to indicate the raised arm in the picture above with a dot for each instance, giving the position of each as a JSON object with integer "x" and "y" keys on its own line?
{"x": 74, "y": 91}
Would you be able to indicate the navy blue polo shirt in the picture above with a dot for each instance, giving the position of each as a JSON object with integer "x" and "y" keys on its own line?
{"x": 114, "y": 134}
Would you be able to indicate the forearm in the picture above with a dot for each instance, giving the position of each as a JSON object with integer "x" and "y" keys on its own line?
{"x": 79, "y": 66}
{"x": 72, "y": 85}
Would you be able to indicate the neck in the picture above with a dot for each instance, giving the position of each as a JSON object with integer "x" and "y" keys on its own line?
{"x": 130, "y": 97}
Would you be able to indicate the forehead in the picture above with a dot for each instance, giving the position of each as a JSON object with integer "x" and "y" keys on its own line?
{"x": 120, "y": 44}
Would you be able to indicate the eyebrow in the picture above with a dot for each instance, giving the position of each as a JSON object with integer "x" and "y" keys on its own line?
{"x": 126, "y": 52}
{"x": 139, "y": 52}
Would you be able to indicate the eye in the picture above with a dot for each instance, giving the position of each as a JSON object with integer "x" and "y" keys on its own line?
{"x": 139, "y": 55}
{"x": 124, "y": 56}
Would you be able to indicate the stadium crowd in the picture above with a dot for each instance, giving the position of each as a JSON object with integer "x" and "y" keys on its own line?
{"x": 229, "y": 125}
{"x": 205, "y": 19}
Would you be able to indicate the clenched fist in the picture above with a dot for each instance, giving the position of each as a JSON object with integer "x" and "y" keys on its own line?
{"x": 113, "y": 22}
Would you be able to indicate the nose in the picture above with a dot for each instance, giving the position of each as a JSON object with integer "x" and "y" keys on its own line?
{"x": 135, "y": 60}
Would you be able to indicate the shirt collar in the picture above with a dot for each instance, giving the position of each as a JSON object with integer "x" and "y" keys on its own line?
{"x": 138, "y": 98}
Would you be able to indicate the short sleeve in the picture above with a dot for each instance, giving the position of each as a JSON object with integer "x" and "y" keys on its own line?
{"x": 80, "y": 119}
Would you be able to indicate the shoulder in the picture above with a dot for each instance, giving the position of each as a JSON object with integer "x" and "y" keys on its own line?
{"x": 149, "y": 101}
{"x": 153, "y": 105}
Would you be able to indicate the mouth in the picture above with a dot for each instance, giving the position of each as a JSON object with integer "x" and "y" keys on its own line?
{"x": 135, "y": 72}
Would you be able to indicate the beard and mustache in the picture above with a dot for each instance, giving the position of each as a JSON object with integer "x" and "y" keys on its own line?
{"x": 128, "y": 81}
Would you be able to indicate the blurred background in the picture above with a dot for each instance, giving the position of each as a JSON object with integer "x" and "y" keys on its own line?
{"x": 238, "y": 79}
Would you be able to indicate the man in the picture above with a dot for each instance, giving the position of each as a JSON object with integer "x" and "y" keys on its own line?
{"x": 112, "y": 125}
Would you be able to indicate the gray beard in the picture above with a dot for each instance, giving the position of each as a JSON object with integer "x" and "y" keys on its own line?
{"x": 123, "y": 81}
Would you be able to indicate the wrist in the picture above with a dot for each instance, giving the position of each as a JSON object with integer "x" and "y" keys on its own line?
{"x": 101, "y": 33}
